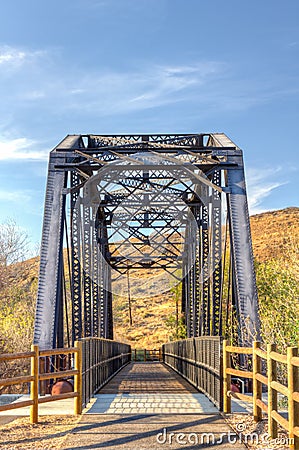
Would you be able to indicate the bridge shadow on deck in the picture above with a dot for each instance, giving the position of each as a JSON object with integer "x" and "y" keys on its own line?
{"x": 153, "y": 408}
{"x": 145, "y": 432}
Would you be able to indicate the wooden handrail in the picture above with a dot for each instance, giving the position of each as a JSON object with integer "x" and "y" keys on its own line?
{"x": 239, "y": 373}
{"x": 295, "y": 361}
{"x": 55, "y": 375}
{"x": 239, "y": 350}
{"x": 278, "y": 357}
{"x": 279, "y": 419}
{"x": 16, "y": 405}
{"x": 280, "y": 388}
{"x": 262, "y": 405}
{"x": 16, "y": 380}
{"x": 35, "y": 377}
{"x": 58, "y": 351}
{"x": 262, "y": 378}
{"x": 240, "y": 396}
{"x": 291, "y": 391}
{"x": 261, "y": 353}
{"x": 11, "y": 356}
{"x": 53, "y": 398}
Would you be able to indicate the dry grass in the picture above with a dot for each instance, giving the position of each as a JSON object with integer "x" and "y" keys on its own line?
{"x": 271, "y": 231}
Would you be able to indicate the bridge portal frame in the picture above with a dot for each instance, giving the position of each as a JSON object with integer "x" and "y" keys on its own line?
{"x": 72, "y": 163}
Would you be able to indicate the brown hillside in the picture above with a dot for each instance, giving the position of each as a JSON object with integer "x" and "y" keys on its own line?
{"x": 272, "y": 230}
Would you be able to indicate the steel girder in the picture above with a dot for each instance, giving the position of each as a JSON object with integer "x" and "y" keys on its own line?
{"x": 196, "y": 170}
{"x": 245, "y": 291}
{"x": 49, "y": 299}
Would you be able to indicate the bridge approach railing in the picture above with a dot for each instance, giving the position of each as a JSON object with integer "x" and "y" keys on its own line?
{"x": 264, "y": 375}
{"x": 198, "y": 360}
{"x": 101, "y": 360}
{"x": 37, "y": 358}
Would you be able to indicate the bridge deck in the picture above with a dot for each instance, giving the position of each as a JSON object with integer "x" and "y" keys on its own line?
{"x": 149, "y": 406}
{"x": 146, "y": 388}
{"x": 147, "y": 377}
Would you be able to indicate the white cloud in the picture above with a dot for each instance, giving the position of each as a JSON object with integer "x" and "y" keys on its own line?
{"x": 148, "y": 86}
{"x": 12, "y": 56}
{"x": 34, "y": 95}
{"x": 54, "y": 89}
{"x": 18, "y": 196}
{"x": 260, "y": 185}
{"x": 161, "y": 82}
{"x": 107, "y": 91}
{"x": 20, "y": 149}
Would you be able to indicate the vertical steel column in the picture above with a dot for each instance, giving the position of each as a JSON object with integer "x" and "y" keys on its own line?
{"x": 107, "y": 287}
{"x": 50, "y": 278}
{"x": 59, "y": 319}
{"x": 196, "y": 274}
{"x": 188, "y": 304}
{"x": 106, "y": 320}
{"x": 100, "y": 239}
{"x": 109, "y": 326}
{"x": 187, "y": 285}
{"x": 205, "y": 264}
{"x": 95, "y": 286}
{"x": 86, "y": 271}
{"x": 184, "y": 306}
{"x": 216, "y": 257}
{"x": 241, "y": 246}
{"x": 76, "y": 289}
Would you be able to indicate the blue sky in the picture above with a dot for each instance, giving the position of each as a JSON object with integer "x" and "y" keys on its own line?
{"x": 131, "y": 66}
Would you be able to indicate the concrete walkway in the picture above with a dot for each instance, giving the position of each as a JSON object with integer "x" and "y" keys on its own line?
{"x": 145, "y": 406}
{"x": 152, "y": 431}
{"x": 148, "y": 406}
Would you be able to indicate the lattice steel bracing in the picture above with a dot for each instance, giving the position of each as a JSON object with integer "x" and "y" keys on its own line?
{"x": 76, "y": 258}
{"x": 151, "y": 203}
{"x": 216, "y": 257}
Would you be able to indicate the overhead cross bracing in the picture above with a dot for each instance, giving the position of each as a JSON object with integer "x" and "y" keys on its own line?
{"x": 155, "y": 203}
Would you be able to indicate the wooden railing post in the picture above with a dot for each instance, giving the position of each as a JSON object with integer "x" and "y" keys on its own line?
{"x": 293, "y": 406}
{"x": 257, "y": 385}
{"x": 34, "y": 384}
{"x": 78, "y": 378}
{"x": 226, "y": 380}
{"x": 272, "y": 393}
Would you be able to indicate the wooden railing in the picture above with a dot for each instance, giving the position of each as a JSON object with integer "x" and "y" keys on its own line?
{"x": 270, "y": 357}
{"x": 35, "y": 377}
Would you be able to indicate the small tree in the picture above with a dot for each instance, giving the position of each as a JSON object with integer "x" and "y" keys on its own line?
{"x": 279, "y": 303}
{"x": 13, "y": 243}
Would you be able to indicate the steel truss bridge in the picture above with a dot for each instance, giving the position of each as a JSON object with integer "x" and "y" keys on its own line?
{"x": 173, "y": 206}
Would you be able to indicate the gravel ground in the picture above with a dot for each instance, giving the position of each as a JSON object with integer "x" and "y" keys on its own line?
{"x": 255, "y": 435}
{"x": 49, "y": 433}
